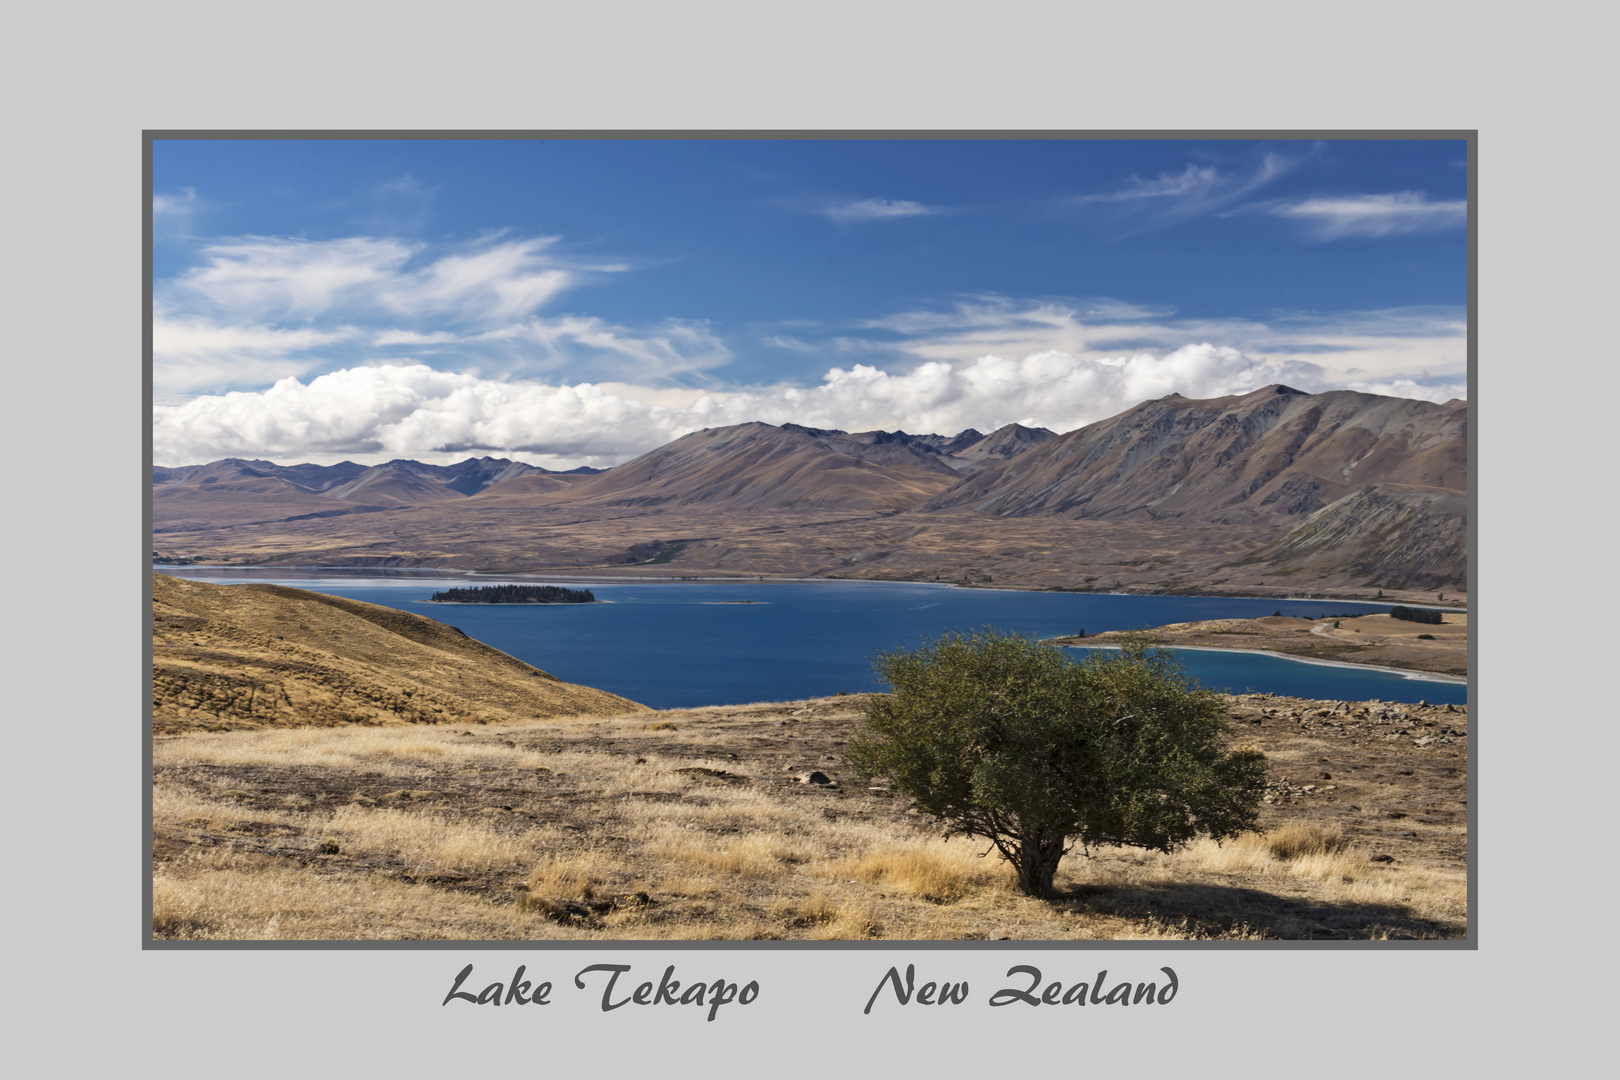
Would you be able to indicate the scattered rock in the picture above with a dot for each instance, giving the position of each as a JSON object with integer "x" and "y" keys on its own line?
{"x": 814, "y": 776}
{"x": 1382, "y": 858}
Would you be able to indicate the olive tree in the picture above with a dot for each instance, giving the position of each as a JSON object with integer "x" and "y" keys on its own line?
{"x": 1006, "y": 739}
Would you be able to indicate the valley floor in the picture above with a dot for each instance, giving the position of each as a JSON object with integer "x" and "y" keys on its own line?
{"x": 693, "y": 824}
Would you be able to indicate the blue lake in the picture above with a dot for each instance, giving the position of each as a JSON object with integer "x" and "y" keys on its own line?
{"x": 678, "y": 644}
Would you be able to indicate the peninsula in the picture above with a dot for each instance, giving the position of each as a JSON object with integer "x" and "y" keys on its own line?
{"x": 1376, "y": 640}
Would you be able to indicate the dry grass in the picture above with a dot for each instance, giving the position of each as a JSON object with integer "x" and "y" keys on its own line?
{"x": 1304, "y": 838}
{"x": 426, "y": 841}
{"x": 692, "y": 827}
{"x": 940, "y": 872}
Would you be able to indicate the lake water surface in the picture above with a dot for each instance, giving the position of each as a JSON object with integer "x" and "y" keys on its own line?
{"x": 679, "y": 644}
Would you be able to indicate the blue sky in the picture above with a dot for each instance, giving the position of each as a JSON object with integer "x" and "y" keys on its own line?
{"x": 581, "y": 301}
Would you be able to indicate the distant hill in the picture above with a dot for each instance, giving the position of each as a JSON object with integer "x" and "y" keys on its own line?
{"x": 234, "y": 491}
{"x": 256, "y": 655}
{"x": 1000, "y": 445}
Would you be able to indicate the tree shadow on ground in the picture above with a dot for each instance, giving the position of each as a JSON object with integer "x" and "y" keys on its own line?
{"x": 1220, "y": 911}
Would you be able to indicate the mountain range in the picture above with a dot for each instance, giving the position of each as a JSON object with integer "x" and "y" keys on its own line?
{"x": 1341, "y": 489}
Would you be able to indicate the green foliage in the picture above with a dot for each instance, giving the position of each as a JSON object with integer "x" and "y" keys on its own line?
{"x": 1007, "y": 739}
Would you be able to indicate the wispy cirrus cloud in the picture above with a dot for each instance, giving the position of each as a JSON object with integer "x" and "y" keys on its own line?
{"x": 1327, "y": 349}
{"x": 254, "y": 309}
{"x": 1400, "y": 213}
{"x": 861, "y": 211}
{"x": 196, "y": 354}
{"x": 1177, "y": 196}
{"x": 404, "y": 187}
{"x": 288, "y": 277}
{"x": 183, "y": 203}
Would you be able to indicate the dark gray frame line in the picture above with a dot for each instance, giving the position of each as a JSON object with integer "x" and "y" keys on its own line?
{"x": 1468, "y": 943}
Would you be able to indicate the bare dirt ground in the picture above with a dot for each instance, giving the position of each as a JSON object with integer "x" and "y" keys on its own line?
{"x": 1378, "y": 640}
{"x": 696, "y": 824}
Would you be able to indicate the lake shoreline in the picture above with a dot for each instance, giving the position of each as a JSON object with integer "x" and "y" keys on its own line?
{"x": 599, "y": 577}
{"x": 660, "y": 646}
{"x": 1437, "y": 652}
{"x": 1416, "y": 674}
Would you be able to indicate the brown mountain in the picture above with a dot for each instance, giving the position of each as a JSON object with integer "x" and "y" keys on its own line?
{"x": 1396, "y": 537}
{"x": 1269, "y": 456}
{"x": 253, "y": 655}
{"x": 1003, "y": 443}
{"x": 1271, "y": 491}
{"x": 758, "y": 466}
{"x": 394, "y": 484}
{"x": 229, "y": 491}
{"x": 238, "y": 492}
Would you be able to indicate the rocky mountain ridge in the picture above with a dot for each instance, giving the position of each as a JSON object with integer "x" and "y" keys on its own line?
{"x": 1342, "y": 489}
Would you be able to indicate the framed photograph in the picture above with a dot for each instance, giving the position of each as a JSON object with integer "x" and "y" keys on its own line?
{"x": 784, "y": 541}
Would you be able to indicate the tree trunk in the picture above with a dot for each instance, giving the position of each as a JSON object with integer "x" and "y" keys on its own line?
{"x": 1037, "y": 865}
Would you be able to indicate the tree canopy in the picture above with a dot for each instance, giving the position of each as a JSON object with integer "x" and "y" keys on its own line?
{"x": 1007, "y": 739}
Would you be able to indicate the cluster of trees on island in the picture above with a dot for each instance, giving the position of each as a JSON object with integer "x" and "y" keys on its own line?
{"x": 515, "y": 594}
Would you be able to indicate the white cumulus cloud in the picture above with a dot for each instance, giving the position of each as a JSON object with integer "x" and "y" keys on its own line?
{"x": 411, "y": 410}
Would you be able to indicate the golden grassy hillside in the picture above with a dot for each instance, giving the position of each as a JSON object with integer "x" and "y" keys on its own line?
{"x": 244, "y": 656}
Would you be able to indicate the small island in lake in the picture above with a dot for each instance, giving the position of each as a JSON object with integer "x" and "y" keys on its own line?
{"x": 514, "y": 594}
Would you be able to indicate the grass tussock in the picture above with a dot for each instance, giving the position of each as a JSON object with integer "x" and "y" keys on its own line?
{"x": 579, "y": 876}
{"x": 939, "y": 871}
{"x": 759, "y": 855}
{"x": 1304, "y": 838}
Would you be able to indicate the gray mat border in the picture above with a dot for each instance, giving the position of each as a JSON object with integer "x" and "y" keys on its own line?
{"x": 1469, "y": 943}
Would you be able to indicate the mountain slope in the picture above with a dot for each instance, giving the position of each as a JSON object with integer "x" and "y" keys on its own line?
{"x": 1005, "y": 442}
{"x": 1269, "y": 456}
{"x": 1387, "y": 536}
{"x": 250, "y": 655}
{"x": 758, "y": 466}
